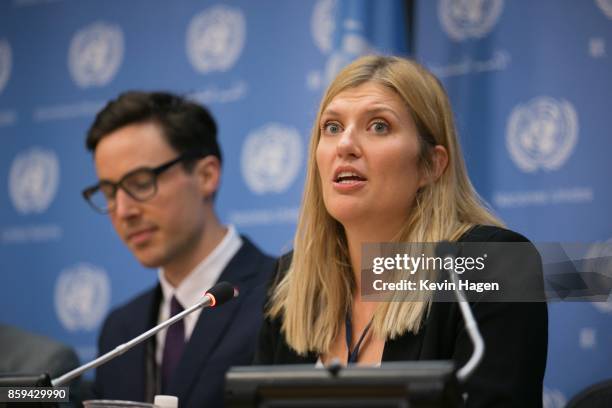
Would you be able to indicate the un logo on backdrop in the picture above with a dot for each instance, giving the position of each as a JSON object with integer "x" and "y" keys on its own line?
{"x": 552, "y": 398}
{"x": 542, "y": 134}
{"x": 82, "y": 297}
{"x": 271, "y": 158}
{"x": 324, "y": 30}
{"x": 323, "y": 24}
{"x": 605, "y": 6}
{"x": 215, "y": 38}
{"x": 96, "y": 52}
{"x": 33, "y": 180}
{"x": 463, "y": 19}
{"x": 5, "y": 63}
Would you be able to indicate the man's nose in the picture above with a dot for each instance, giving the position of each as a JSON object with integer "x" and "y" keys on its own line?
{"x": 125, "y": 205}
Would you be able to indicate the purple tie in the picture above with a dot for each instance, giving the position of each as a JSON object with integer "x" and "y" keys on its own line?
{"x": 175, "y": 343}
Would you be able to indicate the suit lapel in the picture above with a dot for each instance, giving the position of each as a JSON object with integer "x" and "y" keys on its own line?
{"x": 212, "y": 325}
{"x": 142, "y": 357}
{"x": 151, "y": 371}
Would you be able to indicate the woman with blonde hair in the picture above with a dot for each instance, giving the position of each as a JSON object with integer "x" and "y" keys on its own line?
{"x": 385, "y": 165}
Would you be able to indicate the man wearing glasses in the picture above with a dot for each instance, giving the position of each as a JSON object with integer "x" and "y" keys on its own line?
{"x": 159, "y": 167}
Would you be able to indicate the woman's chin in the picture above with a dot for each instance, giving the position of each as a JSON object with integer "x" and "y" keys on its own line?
{"x": 348, "y": 215}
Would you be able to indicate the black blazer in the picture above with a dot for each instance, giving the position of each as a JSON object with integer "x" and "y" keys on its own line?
{"x": 222, "y": 337}
{"x": 515, "y": 334}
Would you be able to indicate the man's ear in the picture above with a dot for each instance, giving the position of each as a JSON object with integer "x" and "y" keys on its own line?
{"x": 439, "y": 161}
{"x": 208, "y": 172}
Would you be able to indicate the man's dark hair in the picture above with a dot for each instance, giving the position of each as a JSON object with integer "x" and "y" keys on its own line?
{"x": 186, "y": 125}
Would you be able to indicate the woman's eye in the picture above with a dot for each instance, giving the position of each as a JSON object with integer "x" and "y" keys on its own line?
{"x": 380, "y": 127}
{"x": 332, "y": 128}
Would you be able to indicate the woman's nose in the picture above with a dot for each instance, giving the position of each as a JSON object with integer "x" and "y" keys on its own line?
{"x": 348, "y": 143}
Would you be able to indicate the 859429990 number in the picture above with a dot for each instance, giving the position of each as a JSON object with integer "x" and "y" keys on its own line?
{"x": 34, "y": 394}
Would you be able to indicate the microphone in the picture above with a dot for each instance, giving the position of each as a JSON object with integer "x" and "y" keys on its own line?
{"x": 215, "y": 296}
{"x": 446, "y": 249}
{"x": 221, "y": 293}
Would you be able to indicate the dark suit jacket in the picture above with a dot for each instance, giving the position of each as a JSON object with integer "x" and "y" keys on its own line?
{"x": 515, "y": 334}
{"x": 222, "y": 337}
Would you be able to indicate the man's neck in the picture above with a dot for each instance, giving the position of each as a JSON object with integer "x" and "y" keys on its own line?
{"x": 175, "y": 272}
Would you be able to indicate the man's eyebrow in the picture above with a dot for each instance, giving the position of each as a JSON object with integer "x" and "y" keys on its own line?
{"x": 128, "y": 173}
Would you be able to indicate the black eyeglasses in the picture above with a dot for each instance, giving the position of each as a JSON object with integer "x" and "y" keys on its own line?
{"x": 140, "y": 184}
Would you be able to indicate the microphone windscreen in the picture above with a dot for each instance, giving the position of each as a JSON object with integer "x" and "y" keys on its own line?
{"x": 222, "y": 292}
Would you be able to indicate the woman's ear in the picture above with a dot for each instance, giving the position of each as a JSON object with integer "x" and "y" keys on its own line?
{"x": 439, "y": 161}
{"x": 208, "y": 173}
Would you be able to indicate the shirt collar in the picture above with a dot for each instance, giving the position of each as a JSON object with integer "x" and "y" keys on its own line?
{"x": 205, "y": 274}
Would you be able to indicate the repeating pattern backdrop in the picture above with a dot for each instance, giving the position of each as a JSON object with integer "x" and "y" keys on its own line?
{"x": 530, "y": 82}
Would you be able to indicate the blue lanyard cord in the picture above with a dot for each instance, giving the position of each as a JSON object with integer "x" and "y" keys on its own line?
{"x": 353, "y": 356}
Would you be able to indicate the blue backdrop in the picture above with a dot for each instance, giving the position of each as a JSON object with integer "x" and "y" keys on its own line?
{"x": 530, "y": 83}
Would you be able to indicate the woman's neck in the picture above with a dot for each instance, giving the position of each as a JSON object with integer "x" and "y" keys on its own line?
{"x": 356, "y": 237}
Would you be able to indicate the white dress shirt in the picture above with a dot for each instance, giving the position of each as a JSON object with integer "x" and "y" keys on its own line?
{"x": 191, "y": 289}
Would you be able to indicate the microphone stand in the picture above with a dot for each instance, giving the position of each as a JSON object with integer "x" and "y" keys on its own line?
{"x": 122, "y": 348}
{"x": 472, "y": 329}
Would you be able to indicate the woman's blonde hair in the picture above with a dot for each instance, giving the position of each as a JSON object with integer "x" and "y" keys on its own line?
{"x": 316, "y": 291}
